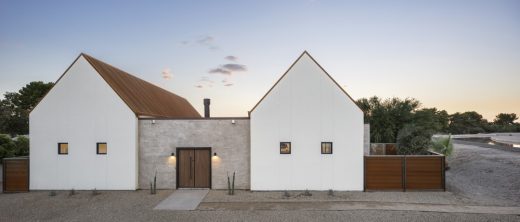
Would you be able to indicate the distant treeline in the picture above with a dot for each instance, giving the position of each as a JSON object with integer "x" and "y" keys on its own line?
{"x": 390, "y": 117}
{"x": 391, "y": 120}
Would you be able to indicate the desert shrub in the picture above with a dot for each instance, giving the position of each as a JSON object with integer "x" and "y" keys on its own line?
{"x": 11, "y": 147}
{"x": 22, "y": 146}
{"x": 442, "y": 145}
{"x": 7, "y": 146}
{"x": 413, "y": 140}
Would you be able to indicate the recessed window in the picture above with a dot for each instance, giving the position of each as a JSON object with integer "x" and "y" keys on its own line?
{"x": 101, "y": 148}
{"x": 285, "y": 147}
{"x": 63, "y": 148}
{"x": 326, "y": 147}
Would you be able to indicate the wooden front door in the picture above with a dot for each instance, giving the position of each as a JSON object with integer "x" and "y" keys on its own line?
{"x": 194, "y": 168}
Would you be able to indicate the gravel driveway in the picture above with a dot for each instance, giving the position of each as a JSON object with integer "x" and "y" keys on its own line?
{"x": 138, "y": 206}
{"x": 487, "y": 176}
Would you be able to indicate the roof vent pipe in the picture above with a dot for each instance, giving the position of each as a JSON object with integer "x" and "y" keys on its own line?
{"x": 206, "y": 108}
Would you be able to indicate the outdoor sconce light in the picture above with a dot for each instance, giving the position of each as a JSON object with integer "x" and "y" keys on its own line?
{"x": 214, "y": 154}
{"x": 173, "y": 154}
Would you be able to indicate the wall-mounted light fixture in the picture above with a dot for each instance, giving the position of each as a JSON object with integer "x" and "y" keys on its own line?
{"x": 173, "y": 154}
{"x": 214, "y": 154}
{"x": 232, "y": 121}
{"x": 153, "y": 121}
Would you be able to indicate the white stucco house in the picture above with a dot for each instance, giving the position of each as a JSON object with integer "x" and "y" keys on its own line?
{"x": 83, "y": 133}
{"x": 102, "y": 128}
{"x": 309, "y": 114}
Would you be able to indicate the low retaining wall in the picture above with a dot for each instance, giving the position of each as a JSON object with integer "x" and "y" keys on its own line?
{"x": 404, "y": 172}
{"x": 485, "y": 145}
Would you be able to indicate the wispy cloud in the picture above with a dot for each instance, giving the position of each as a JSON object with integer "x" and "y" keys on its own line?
{"x": 205, "y": 41}
{"x": 231, "y": 58}
{"x": 167, "y": 74}
{"x": 235, "y": 67}
{"x": 227, "y": 83}
{"x": 204, "y": 81}
{"x": 220, "y": 70}
{"x": 228, "y": 69}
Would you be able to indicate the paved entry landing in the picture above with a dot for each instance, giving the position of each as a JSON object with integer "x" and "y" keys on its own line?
{"x": 183, "y": 200}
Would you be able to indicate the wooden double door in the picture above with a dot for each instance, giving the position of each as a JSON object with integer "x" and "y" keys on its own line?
{"x": 193, "y": 167}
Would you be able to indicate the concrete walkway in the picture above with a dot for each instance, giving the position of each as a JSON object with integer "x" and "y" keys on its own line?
{"x": 357, "y": 205}
{"x": 182, "y": 200}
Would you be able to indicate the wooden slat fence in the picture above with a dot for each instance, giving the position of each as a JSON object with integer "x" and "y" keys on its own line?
{"x": 15, "y": 174}
{"x": 404, "y": 172}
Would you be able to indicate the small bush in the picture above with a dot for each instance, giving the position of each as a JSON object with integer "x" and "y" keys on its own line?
{"x": 11, "y": 147}
{"x": 331, "y": 192}
{"x": 413, "y": 140}
{"x": 443, "y": 145}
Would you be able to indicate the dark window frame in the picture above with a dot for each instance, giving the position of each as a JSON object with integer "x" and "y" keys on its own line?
{"x": 59, "y": 150}
{"x": 331, "y": 146}
{"x": 290, "y": 148}
{"x": 97, "y": 148}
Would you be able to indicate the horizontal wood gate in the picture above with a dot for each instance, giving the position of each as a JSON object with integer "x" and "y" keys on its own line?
{"x": 404, "y": 172}
{"x": 15, "y": 174}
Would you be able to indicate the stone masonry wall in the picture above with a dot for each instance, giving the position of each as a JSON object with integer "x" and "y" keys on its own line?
{"x": 366, "y": 139}
{"x": 230, "y": 141}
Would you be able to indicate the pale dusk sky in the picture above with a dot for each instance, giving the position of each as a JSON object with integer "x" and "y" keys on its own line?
{"x": 454, "y": 55}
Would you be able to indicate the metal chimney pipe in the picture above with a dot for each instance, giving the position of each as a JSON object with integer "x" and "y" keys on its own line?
{"x": 206, "y": 108}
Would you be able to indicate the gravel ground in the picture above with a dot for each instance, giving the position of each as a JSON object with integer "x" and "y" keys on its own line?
{"x": 485, "y": 175}
{"x": 297, "y": 196}
{"x": 137, "y": 206}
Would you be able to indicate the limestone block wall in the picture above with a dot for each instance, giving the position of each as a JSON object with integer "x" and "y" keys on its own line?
{"x": 159, "y": 138}
{"x": 366, "y": 139}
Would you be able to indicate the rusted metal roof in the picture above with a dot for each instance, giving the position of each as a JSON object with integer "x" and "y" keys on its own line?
{"x": 144, "y": 98}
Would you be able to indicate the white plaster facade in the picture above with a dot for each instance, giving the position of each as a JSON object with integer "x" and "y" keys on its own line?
{"x": 306, "y": 107}
{"x": 82, "y": 110}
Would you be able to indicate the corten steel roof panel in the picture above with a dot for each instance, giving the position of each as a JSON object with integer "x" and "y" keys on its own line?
{"x": 143, "y": 98}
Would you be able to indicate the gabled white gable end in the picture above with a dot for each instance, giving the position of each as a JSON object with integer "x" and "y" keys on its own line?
{"x": 82, "y": 110}
{"x": 306, "y": 107}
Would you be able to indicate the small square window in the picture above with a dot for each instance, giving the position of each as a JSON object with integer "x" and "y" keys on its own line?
{"x": 326, "y": 147}
{"x": 101, "y": 148}
{"x": 285, "y": 147}
{"x": 63, "y": 148}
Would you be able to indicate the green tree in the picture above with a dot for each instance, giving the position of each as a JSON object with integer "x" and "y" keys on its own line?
{"x": 22, "y": 146}
{"x": 16, "y": 106}
{"x": 7, "y": 146}
{"x": 432, "y": 119}
{"x": 505, "y": 119}
{"x": 467, "y": 122}
{"x": 387, "y": 117}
